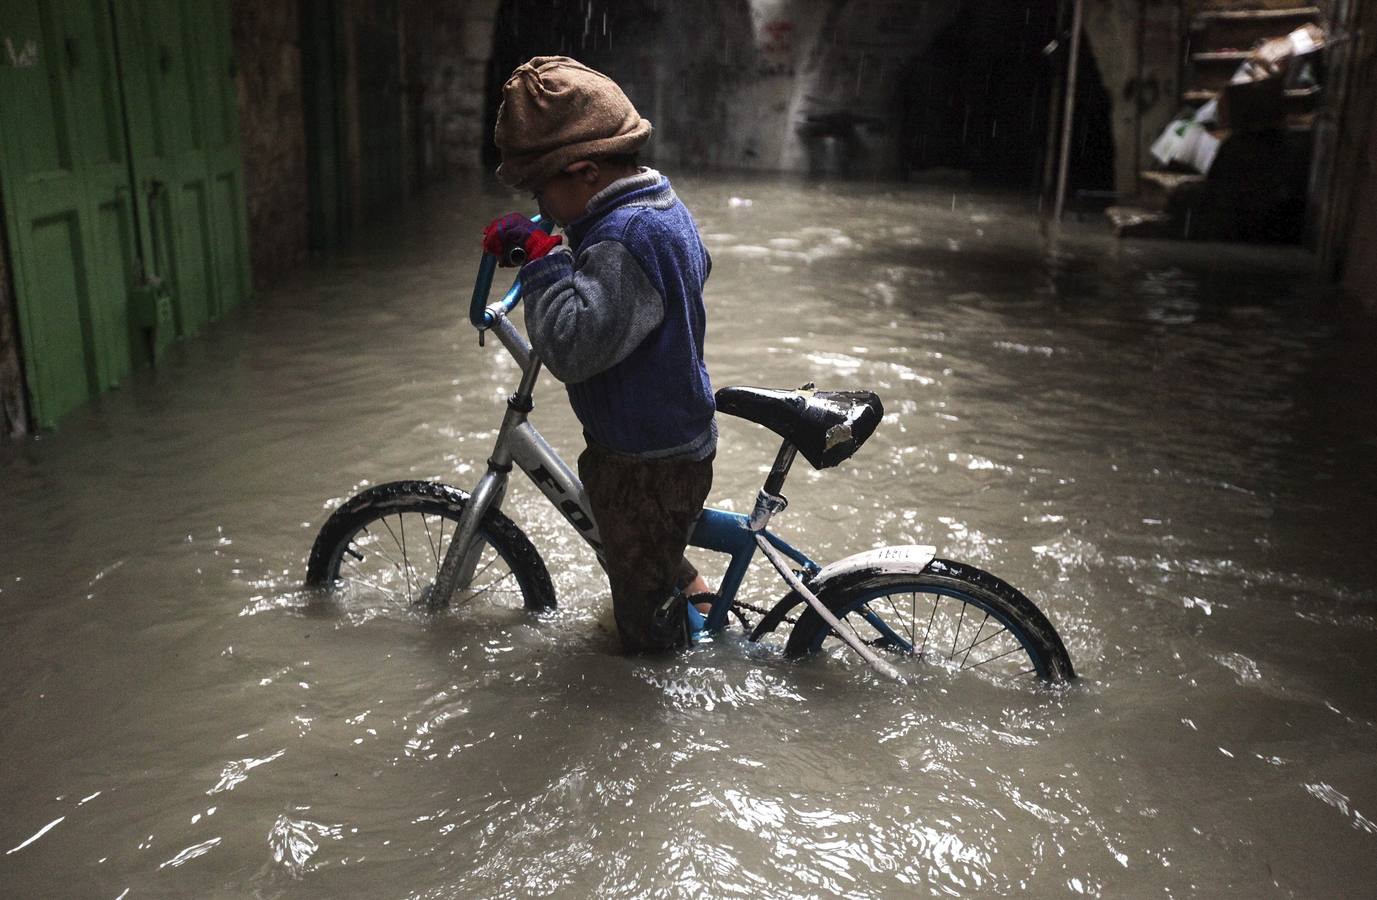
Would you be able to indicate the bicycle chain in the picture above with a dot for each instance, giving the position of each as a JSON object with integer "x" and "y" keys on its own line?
{"x": 755, "y": 609}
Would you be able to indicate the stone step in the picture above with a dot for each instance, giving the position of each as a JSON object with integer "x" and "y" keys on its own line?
{"x": 1254, "y": 15}
{"x": 1220, "y": 56}
{"x": 1135, "y": 221}
{"x": 1158, "y": 189}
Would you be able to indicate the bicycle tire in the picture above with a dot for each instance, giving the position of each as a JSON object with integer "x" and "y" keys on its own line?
{"x": 345, "y": 541}
{"x": 856, "y": 602}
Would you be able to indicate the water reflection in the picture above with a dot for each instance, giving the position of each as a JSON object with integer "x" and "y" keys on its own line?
{"x": 1163, "y": 445}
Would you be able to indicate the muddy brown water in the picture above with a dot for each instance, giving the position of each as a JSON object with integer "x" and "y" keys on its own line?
{"x": 1170, "y": 448}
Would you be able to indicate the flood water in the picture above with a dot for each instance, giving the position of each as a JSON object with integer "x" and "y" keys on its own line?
{"x": 1169, "y": 448}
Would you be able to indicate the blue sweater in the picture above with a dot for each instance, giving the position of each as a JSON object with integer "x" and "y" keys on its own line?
{"x": 618, "y": 317}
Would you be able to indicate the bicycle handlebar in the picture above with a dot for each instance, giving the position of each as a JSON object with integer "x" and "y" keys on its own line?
{"x": 481, "y": 316}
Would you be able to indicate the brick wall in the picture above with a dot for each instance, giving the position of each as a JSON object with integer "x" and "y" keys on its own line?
{"x": 457, "y": 76}
{"x": 448, "y": 46}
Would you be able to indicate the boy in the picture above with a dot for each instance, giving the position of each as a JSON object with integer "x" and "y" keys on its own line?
{"x": 617, "y": 315}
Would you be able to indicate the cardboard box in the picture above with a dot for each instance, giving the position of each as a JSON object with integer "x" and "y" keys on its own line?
{"x": 1276, "y": 52}
{"x": 1187, "y": 143}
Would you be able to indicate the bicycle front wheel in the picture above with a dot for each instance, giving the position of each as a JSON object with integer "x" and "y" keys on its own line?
{"x": 388, "y": 542}
{"x": 952, "y": 615}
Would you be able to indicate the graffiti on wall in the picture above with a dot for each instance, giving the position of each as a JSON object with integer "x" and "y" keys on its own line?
{"x": 23, "y": 56}
{"x": 776, "y": 47}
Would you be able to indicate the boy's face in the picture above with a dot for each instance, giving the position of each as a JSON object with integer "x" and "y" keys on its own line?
{"x": 565, "y": 196}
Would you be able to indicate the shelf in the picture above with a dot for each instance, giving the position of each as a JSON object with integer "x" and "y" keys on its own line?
{"x": 1254, "y": 15}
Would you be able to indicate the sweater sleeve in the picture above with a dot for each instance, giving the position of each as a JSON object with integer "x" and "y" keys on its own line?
{"x": 586, "y": 315}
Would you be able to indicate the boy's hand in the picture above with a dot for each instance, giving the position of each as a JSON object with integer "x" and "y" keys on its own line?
{"x": 513, "y": 232}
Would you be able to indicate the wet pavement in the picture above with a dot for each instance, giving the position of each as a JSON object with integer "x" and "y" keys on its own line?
{"x": 1169, "y": 448}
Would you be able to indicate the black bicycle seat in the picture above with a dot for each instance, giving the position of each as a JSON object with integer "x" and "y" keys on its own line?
{"x": 827, "y": 427}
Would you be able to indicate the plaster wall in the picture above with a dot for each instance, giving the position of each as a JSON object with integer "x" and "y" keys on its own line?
{"x": 1360, "y": 274}
{"x": 1358, "y": 171}
{"x": 807, "y": 86}
{"x": 778, "y": 85}
{"x": 1136, "y": 46}
{"x": 788, "y": 85}
{"x": 14, "y": 416}
{"x": 272, "y": 134}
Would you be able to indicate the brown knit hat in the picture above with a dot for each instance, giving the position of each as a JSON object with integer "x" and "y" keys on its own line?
{"x": 556, "y": 111}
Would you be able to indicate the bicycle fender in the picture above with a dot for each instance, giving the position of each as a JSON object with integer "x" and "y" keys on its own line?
{"x": 907, "y": 559}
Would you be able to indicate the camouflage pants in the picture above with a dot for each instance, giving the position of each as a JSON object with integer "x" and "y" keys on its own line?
{"x": 644, "y": 509}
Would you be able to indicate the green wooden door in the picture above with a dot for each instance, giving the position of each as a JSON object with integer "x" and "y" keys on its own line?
{"x": 217, "y": 96}
{"x": 119, "y": 157}
{"x": 67, "y": 199}
{"x": 179, "y": 84}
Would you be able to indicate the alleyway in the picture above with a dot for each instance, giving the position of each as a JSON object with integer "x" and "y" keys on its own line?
{"x": 1168, "y": 447}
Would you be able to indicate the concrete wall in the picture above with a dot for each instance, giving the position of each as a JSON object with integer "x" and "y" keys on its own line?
{"x": 272, "y": 134}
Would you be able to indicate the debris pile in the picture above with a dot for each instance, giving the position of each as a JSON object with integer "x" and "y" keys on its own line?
{"x": 1233, "y": 164}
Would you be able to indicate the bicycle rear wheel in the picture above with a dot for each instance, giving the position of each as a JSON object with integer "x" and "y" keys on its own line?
{"x": 390, "y": 540}
{"x": 952, "y": 615}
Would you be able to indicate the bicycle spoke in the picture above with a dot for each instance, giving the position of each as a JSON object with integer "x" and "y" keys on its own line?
{"x": 401, "y": 543}
{"x": 913, "y": 621}
{"x": 373, "y": 584}
{"x": 389, "y": 544}
{"x": 977, "y": 640}
{"x": 441, "y": 546}
{"x": 406, "y": 573}
{"x": 898, "y": 617}
{"x": 935, "y": 599}
{"x": 993, "y": 658}
{"x": 890, "y": 601}
{"x": 956, "y": 637}
{"x": 378, "y": 547}
{"x": 498, "y": 580}
{"x": 486, "y": 566}
{"x": 491, "y": 588}
{"x": 988, "y": 637}
{"x": 997, "y": 628}
{"x": 431, "y": 540}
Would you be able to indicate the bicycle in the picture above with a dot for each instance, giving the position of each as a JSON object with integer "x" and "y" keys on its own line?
{"x": 900, "y": 601}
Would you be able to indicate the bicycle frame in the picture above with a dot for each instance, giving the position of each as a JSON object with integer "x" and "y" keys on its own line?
{"x": 831, "y": 594}
{"x": 519, "y": 443}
